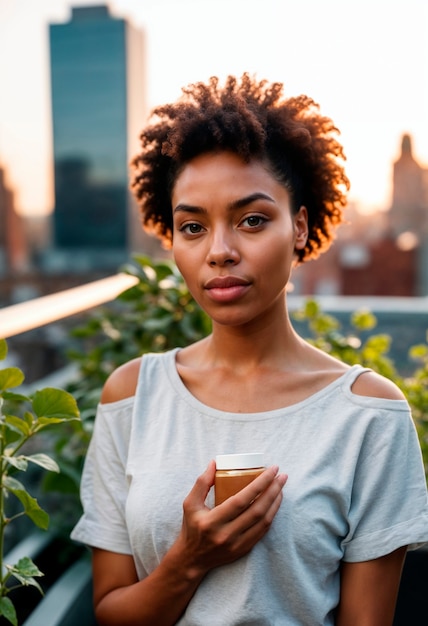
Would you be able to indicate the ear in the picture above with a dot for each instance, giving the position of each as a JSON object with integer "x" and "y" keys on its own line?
{"x": 301, "y": 228}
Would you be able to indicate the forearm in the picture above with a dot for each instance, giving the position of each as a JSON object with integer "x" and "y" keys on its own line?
{"x": 209, "y": 538}
{"x": 160, "y": 598}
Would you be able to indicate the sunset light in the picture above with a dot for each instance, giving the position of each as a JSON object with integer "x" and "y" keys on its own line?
{"x": 365, "y": 63}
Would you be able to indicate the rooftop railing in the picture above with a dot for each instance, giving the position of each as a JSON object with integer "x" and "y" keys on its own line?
{"x": 37, "y": 312}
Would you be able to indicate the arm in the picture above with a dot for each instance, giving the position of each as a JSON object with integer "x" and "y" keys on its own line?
{"x": 369, "y": 589}
{"x": 208, "y": 538}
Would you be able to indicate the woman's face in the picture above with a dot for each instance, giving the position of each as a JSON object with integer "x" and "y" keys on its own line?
{"x": 234, "y": 236}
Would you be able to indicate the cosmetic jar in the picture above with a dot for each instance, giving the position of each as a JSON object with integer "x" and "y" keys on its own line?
{"x": 234, "y": 472}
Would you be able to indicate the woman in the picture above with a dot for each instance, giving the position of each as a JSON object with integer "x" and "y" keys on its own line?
{"x": 244, "y": 184}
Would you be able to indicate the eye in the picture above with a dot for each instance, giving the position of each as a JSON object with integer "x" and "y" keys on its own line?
{"x": 253, "y": 221}
{"x": 191, "y": 228}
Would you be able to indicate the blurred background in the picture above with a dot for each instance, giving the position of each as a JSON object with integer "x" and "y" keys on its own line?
{"x": 79, "y": 79}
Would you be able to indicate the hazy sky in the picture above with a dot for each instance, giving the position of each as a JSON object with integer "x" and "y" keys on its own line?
{"x": 364, "y": 61}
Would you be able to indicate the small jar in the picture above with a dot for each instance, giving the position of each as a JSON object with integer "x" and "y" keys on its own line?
{"x": 234, "y": 472}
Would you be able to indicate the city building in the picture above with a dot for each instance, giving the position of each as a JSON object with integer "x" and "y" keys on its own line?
{"x": 13, "y": 243}
{"x": 383, "y": 253}
{"x": 409, "y": 210}
{"x": 98, "y": 109}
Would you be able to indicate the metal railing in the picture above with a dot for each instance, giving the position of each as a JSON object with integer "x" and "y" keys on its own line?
{"x": 37, "y": 312}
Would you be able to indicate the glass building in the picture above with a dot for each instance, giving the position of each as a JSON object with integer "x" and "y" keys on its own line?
{"x": 97, "y": 87}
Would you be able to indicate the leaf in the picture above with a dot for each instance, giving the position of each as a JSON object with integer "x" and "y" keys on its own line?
{"x": 15, "y": 397}
{"x": 24, "y": 571}
{"x": 43, "y": 460}
{"x": 49, "y": 421}
{"x": 55, "y": 404}
{"x": 30, "y": 504}
{"x": 311, "y": 308}
{"x": 363, "y": 320}
{"x": 26, "y": 567}
{"x": 3, "y": 349}
{"x": 8, "y": 610}
{"x": 11, "y": 377}
{"x": 17, "y": 461}
{"x": 419, "y": 351}
{"x": 29, "y": 418}
{"x": 17, "y": 424}
{"x": 377, "y": 345}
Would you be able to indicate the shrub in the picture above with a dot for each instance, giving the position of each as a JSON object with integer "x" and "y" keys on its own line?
{"x": 159, "y": 313}
{"x": 22, "y": 418}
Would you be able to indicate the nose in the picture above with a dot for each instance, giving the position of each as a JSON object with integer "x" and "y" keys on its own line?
{"x": 222, "y": 250}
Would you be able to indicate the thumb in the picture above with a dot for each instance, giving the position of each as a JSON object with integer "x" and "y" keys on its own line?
{"x": 203, "y": 484}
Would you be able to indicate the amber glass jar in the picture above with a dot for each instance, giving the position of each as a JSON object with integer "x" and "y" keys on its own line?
{"x": 234, "y": 472}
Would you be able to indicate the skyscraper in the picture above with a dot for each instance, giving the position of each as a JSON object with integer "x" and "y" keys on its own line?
{"x": 97, "y": 74}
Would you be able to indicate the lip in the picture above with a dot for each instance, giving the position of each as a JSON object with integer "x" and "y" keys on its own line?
{"x": 224, "y": 282}
{"x": 226, "y": 288}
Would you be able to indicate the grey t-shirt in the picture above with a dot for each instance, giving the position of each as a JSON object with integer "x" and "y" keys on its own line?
{"x": 356, "y": 491}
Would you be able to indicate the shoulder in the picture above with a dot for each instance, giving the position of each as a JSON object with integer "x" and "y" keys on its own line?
{"x": 121, "y": 383}
{"x": 374, "y": 385}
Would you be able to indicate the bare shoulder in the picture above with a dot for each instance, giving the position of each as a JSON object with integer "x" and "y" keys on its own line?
{"x": 121, "y": 383}
{"x": 374, "y": 385}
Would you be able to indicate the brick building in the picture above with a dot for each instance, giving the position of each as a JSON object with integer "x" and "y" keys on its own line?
{"x": 381, "y": 254}
{"x": 13, "y": 244}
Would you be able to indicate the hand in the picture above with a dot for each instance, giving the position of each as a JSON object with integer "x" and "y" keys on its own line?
{"x": 213, "y": 537}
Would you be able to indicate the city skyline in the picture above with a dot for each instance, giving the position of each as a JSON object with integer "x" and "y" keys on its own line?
{"x": 367, "y": 68}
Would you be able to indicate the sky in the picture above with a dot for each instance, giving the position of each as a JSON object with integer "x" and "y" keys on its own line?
{"x": 364, "y": 61}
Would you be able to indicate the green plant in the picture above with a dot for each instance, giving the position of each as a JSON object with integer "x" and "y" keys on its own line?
{"x": 158, "y": 313}
{"x": 325, "y": 333}
{"x": 22, "y": 417}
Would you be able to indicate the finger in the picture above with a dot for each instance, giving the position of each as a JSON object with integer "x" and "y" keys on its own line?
{"x": 255, "y": 521}
{"x": 260, "y": 513}
{"x": 241, "y": 534}
{"x": 255, "y": 531}
{"x": 200, "y": 489}
{"x": 268, "y": 500}
{"x": 236, "y": 504}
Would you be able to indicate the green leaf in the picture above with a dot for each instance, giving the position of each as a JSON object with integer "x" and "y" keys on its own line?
{"x": 15, "y": 397}
{"x": 363, "y": 320}
{"x": 43, "y": 460}
{"x": 17, "y": 424}
{"x": 17, "y": 461}
{"x": 377, "y": 345}
{"x": 26, "y": 567}
{"x": 55, "y": 404}
{"x": 29, "y": 418}
{"x": 3, "y": 349}
{"x": 11, "y": 377}
{"x": 419, "y": 351}
{"x": 24, "y": 571}
{"x": 49, "y": 421}
{"x": 8, "y": 610}
{"x": 311, "y": 308}
{"x": 31, "y": 507}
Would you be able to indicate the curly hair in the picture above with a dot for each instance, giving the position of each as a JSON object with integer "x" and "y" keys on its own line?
{"x": 253, "y": 120}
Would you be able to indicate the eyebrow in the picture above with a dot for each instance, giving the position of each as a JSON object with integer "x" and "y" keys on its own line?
{"x": 236, "y": 204}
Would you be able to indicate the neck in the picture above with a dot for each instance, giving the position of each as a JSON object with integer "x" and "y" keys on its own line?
{"x": 269, "y": 341}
